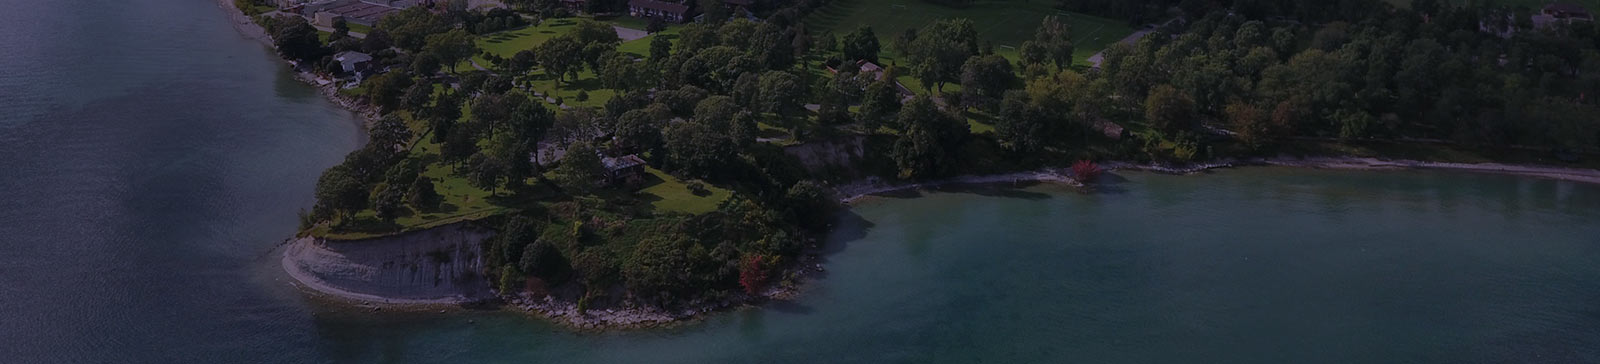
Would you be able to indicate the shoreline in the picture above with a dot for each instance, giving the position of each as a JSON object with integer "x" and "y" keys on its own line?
{"x": 328, "y": 88}
{"x": 630, "y": 316}
{"x": 856, "y": 191}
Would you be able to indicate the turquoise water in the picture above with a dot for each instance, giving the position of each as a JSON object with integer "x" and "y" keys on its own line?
{"x": 153, "y": 160}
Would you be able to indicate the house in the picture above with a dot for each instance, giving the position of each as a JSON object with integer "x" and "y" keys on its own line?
{"x": 353, "y": 62}
{"x": 869, "y": 68}
{"x": 666, "y": 11}
{"x": 1567, "y": 11}
{"x": 353, "y": 11}
{"x": 325, "y": 19}
{"x": 628, "y": 169}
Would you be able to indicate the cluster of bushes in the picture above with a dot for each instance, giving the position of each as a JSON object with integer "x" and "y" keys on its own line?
{"x": 663, "y": 260}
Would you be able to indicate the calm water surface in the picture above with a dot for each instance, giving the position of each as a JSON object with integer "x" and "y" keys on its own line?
{"x": 153, "y": 160}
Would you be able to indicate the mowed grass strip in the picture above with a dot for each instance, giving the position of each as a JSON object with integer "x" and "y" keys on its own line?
{"x": 1005, "y": 23}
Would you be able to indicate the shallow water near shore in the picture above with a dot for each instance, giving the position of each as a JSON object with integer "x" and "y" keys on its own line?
{"x": 155, "y": 159}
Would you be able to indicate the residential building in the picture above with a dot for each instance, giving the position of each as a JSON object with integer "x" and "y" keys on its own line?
{"x": 628, "y": 169}
{"x": 666, "y": 11}
{"x": 353, "y": 62}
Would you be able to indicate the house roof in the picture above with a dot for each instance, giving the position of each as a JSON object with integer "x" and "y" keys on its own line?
{"x": 352, "y": 57}
{"x": 1566, "y": 7}
{"x": 659, "y": 5}
{"x": 623, "y": 162}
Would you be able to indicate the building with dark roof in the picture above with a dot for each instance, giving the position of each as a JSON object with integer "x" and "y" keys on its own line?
{"x": 628, "y": 169}
{"x": 1568, "y": 11}
{"x": 666, "y": 11}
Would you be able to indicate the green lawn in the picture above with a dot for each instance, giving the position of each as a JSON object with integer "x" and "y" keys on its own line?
{"x": 508, "y": 43}
{"x": 668, "y": 194}
{"x": 1007, "y": 23}
{"x": 358, "y": 28}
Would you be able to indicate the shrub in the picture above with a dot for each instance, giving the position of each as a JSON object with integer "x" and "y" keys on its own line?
{"x": 1086, "y": 171}
{"x": 510, "y": 280}
{"x": 752, "y": 274}
{"x": 697, "y": 188}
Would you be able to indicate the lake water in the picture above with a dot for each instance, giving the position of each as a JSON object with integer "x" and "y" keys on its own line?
{"x": 154, "y": 159}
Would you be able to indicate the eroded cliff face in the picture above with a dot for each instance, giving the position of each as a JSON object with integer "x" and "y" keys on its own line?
{"x": 438, "y": 265}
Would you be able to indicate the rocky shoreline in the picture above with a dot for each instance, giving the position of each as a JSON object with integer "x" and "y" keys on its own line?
{"x": 859, "y": 190}
{"x": 327, "y": 87}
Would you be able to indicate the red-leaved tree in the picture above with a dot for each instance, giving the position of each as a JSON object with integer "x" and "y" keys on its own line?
{"x": 752, "y": 276}
{"x": 1086, "y": 171}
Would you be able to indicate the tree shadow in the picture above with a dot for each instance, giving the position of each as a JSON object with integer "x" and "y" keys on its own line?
{"x": 1006, "y": 190}
{"x": 848, "y": 227}
{"x": 1109, "y": 183}
{"x": 790, "y": 307}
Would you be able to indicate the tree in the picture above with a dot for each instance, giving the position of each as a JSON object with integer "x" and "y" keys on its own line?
{"x": 827, "y": 42}
{"x": 697, "y": 149}
{"x": 340, "y": 191}
{"x": 425, "y": 64}
{"x": 660, "y": 49}
{"x": 984, "y": 79}
{"x": 409, "y": 28}
{"x": 422, "y": 194}
{"x": 417, "y": 97}
{"x": 485, "y": 171}
{"x": 451, "y": 47}
{"x": 444, "y": 113}
{"x": 386, "y": 89}
{"x": 389, "y": 134}
{"x": 1052, "y": 42}
{"x": 640, "y": 130}
{"x": 1021, "y": 127}
{"x": 931, "y": 138}
{"x": 580, "y": 170}
{"x": 560, "y": 56}
{"x": 722, "y": 114}
{"x": 377, "y": 40}
{"x": 1253, "y": 125}
{"x": 752, "y": 274}
{"x": 655, "y": 25}
{"x": 388, "y": 202}
{"x": 1086, "y": 171}
{"x": 880, "y": 104}
{"x": 659, "y": 267}
{"x": 542, "y": 259}
{"x": 810, "y": 204}
{"x": 861, "y": 44}
{"x": 714, "y": 10}
{"x": 1169, "y": 110}
{"x": 938, "y": 51}
{"x": 297, "y": 40}
{"x": 782, "y": 93}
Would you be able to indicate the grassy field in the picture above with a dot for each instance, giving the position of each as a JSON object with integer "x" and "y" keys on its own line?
{"x": 1007, "y": 23}
{"x": 508, "y": 43}
{"x": 669, "y": 194}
